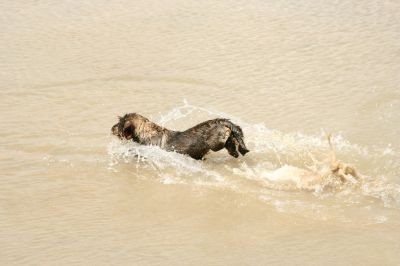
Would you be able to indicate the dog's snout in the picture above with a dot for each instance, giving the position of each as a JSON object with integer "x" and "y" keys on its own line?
{"x": 114, "y": 130}
{"x": 242, "y": 150}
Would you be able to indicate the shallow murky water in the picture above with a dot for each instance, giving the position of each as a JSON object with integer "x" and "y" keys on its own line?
{"x": 286, "y": 71}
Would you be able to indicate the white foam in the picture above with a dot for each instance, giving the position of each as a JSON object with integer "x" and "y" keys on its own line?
{"x": 169, "y": 166}
{"x": 277, "y": 161}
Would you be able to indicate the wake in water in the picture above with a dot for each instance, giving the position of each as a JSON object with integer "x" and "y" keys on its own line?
{"x": 278, "y": 165}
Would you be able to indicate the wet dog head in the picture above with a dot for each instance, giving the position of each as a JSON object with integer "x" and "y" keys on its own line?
{"x": 235, "y": 145}
{"x": 128, "y": 126}
{"x": 237, "y": 139}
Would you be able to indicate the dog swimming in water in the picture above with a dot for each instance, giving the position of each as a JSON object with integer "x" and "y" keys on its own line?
{"x": 196, "y": 142}
{"x": 346, "y": 172}
{"x": 289, "y": 176}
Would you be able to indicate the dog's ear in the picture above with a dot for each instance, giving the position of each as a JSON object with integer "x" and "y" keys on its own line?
{"x": 128, "y": 130}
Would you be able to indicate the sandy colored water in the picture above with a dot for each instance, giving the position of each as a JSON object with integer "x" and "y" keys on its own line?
{"x": 286, "y": 71}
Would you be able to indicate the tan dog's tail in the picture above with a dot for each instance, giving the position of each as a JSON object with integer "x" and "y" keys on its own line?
{"x": 334, "y": 163}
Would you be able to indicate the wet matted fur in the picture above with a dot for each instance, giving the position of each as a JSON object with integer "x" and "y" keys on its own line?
{"x": 212, "y": 135}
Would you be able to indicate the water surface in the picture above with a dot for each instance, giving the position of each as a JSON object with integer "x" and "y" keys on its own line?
{"x": 286, "y": 71}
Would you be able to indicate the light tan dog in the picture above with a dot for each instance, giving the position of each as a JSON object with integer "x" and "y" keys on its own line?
{"x": 344, "y": 171}
{"x": 291, "y": 177}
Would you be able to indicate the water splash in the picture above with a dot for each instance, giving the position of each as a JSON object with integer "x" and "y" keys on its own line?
{"x": 169, "y": 167}
{"x": 272, "y": 168}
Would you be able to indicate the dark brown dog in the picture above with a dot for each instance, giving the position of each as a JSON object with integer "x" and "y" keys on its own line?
{"x": 212, "y": 135}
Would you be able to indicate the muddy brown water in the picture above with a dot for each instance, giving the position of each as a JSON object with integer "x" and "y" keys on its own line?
{"x": 286, "y": 71}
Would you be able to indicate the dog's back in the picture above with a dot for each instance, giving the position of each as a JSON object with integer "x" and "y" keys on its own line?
{"x": 212, "y": 135}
